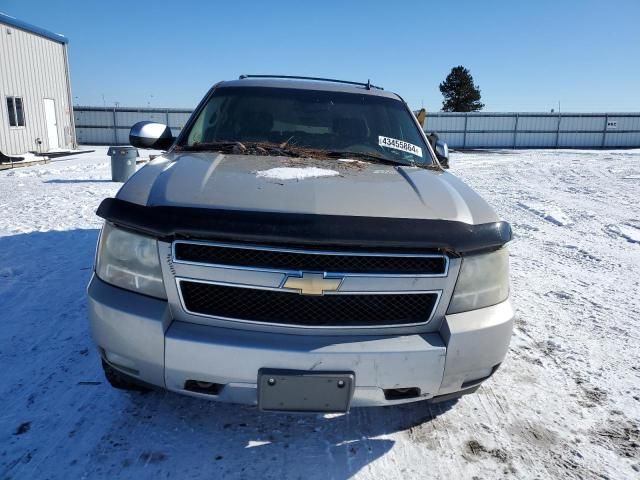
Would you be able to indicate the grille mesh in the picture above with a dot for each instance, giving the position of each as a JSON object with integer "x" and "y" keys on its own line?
{"x": 314, "y": 311}
{"x": 271, "y": 259}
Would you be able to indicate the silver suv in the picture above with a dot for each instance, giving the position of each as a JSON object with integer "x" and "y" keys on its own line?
{"x": 300, "y": 247}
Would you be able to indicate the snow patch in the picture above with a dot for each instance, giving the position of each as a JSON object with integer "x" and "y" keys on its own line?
{"x": 549, "y": 213}
{"x": 256, "y": 443}
{"x": 293, "y": 173}
{"x": 350, "y": 160}
{"x": 628, "y": 232}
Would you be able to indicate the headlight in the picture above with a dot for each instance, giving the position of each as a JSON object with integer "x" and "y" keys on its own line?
{"x": 130, "y": 261}
{"x": 483, "y": 281}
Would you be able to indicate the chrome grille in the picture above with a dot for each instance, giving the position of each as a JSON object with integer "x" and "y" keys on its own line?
{"x": 285, "y": 308}
{"x": 309, "y": 260}
{"x": 307, "y": 288}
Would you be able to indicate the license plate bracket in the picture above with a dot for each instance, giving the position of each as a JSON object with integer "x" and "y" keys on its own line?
{"x": 282, "y": 390}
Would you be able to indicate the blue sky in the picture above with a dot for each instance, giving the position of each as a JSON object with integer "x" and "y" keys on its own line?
{"x": 525, "y": 56}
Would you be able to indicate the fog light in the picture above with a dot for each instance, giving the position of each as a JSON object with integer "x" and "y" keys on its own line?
{"x": 207, "y": 388}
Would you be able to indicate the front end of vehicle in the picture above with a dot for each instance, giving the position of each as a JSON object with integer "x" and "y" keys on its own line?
{"x": 206, "y": 317}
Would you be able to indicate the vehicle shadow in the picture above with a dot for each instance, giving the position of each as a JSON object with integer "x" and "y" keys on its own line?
{"x": 239, "y": 441}
{"x": 65, "y": 419}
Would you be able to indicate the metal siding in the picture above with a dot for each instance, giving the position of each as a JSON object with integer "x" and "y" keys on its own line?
{"x": 491, "y": 123}
{"x": 93, "y": 118}
{"x": 131, "y": 118}
{"x": 437, "y": 123}
{"x": 32, "y": 67}
{"x": 484, "y": 130}
{"x": 537, "y": 123}
{"x": 123, "y": 136}
{"x": 94, "y": 125}
{"x": 178, "y": 119}
{"x": 94, "y": 136}
{"x": 583, "y": 123}
{"x": 622, "y": 139}
{"x": 579, "y": 140}
{"x": 454, "y": 140}
{"x": 625, "y": 123}
{"x": 539, "y": 130}
{"x": 535, "y": 140}
{"x": 489, "y": 140}
{"x": 15, "y": 23}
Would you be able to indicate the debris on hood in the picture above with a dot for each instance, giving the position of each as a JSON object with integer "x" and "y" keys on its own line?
{"x": 296, "y": 173}
{"x": 254, "y": 148}
{"x": 291, "y": 151}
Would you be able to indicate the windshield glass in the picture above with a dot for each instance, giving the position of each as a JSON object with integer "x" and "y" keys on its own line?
{"x": 335, "y": 122}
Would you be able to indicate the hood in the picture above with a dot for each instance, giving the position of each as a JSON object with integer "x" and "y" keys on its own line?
{"x": 291, "y": 185}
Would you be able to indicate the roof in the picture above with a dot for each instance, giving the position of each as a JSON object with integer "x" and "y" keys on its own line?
{"x": 14, "y": 22}
{"x": 321, "y": 85}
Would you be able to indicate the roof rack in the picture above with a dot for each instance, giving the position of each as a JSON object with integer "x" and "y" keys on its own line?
{"x": 367, "y": 85}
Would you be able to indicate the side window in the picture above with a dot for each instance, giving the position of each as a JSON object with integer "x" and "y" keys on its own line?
{"x": 16, "y": 111}
{"x": 12, "y": 112}
{"x": 19, "y": 111}
{"x": 204, "y": 126}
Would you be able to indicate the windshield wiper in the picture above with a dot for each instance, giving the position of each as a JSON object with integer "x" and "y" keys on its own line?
{"x": 208, "y": 146}
{"x": 241, "y": 148}
{"x": 369, "y": 157}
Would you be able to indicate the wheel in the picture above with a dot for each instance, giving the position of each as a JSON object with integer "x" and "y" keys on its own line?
{"x": 121, "y": 381}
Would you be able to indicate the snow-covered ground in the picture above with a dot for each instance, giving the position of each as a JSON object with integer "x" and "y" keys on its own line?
{"x": 565, "y": 404}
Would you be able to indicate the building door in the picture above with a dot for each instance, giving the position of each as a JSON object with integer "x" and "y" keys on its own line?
{"x": 52, "y": 124}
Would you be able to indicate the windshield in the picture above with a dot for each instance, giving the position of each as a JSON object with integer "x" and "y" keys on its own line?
{"x": 335, "y": 122}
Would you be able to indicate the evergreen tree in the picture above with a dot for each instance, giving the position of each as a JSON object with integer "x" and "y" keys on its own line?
{"x": 459, "y": 92}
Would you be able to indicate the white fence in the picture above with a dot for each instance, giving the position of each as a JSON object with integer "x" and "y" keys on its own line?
{"x": 110, "y": 126}
{"x": 536, "y": 130}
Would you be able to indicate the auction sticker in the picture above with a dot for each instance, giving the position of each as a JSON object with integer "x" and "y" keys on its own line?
{"x": 399, "y": 145}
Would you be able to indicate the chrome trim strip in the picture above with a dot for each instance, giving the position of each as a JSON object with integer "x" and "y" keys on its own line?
{"x": 225, "y": 284}
{"x": 311, "y": 252}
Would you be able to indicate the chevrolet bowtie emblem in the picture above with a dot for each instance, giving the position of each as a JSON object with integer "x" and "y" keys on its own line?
{"x": 312, "y": 283}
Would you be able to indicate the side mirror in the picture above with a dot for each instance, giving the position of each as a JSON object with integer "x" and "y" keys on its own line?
{"x": 442, "y": 152}
{"x": 151, "y": 135}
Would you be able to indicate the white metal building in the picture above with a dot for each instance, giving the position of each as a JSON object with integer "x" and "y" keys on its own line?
{"x": 36, "y": 108}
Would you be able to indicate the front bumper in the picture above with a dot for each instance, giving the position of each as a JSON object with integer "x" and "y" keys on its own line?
{"x": 138, "y": 335}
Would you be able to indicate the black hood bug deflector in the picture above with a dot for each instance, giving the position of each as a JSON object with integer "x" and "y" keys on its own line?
{"x": 275, "y": 228}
